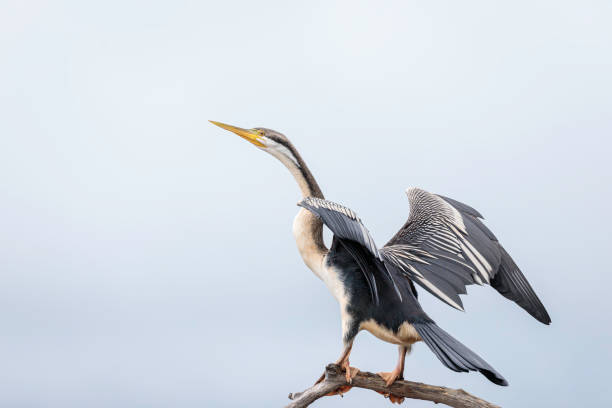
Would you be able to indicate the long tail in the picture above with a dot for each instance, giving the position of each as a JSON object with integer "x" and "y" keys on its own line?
{"x": 455, "y": 355}
{"x": 512, "y": 284}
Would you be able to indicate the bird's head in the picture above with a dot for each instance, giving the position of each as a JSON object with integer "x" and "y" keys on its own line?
{"x": 269, "y": 141}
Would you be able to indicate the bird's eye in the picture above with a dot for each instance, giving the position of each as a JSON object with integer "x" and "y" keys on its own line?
{"x": 260, "y": 132}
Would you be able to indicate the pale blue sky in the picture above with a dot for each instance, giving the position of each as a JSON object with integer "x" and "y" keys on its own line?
{"x": 146, "y": 256}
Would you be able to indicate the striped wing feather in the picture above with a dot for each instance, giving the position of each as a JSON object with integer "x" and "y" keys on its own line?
{"x": 354, "y": 237}
{"x": 444, "y": 246}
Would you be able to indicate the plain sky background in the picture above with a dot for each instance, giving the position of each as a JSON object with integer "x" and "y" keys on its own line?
{"x": 146, "y": 256}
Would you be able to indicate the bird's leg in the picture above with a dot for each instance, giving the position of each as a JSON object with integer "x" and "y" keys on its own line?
{"x": 397, "y": 373}
{"x": 350, "y": 372}
{"x": 343, "y": 362}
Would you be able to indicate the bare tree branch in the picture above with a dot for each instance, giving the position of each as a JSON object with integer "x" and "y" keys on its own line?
{"x": 334, "y": 378}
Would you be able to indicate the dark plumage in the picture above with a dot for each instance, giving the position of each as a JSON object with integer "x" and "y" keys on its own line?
{"x": 374, "y": 294}
{"x": 443, "y": 247}
{"x": 453, "y": 354}
{"x": 510, "y": 282}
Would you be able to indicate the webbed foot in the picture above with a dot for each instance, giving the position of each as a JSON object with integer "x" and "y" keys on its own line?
{"x": 394, "y": 399}
{"x": 391, "y": 377}
{"x": 350, "y": 372}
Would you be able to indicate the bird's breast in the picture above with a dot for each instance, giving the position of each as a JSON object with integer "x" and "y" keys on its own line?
{"x": 305, "y": 228}
{"x": 306, "y": 231}
{"x": 331, "y": 276}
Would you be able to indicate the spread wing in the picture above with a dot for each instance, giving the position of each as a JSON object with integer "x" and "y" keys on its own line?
{"x": 444, "y": 246}
{"x": 354, "y": 237}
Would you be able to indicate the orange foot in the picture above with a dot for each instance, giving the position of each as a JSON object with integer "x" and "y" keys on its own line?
{"x": 390, "y": 377}
{"x": 350, "y": 372}
{"x": 394, "y": 399}
{"x": 340, "y": 391}
{"x": 389, "y": 380}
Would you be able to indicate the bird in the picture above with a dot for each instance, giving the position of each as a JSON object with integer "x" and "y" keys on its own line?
{"x": 443, "y": 247}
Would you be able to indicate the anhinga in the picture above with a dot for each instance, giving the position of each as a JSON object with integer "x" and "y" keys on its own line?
{"x": 443, "y": 246}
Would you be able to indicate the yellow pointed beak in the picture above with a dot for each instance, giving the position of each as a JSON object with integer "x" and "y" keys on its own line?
{"x": 251, "y": 135}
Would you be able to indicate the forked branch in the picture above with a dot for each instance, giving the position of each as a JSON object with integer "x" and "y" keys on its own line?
{"x": 335, "y": 378}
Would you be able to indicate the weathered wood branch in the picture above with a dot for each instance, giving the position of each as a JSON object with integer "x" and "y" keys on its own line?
{"x": 335, "y": 378}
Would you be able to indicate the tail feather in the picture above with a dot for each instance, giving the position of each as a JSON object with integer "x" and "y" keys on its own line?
{"x": 455, "y": 355}
{"x": 512, "y": 284}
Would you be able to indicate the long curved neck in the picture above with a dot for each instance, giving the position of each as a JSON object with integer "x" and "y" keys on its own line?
{"x": 306, "y": 181}
{"x": 307, "y": 228}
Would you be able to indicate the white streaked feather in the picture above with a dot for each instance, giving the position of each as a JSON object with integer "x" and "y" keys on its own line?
{"x": 440, "y": 294}
{"x": 435, "y": 222}
{"x": 474, "y": 256}
{"x": 474, "y": 260}
{"x": 481, "y": 258}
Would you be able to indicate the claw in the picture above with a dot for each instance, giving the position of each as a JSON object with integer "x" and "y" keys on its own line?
{"x": 351, "y": 372}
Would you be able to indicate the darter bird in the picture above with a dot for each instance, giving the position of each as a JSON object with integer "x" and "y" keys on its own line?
{"x": 442, "y": 247}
